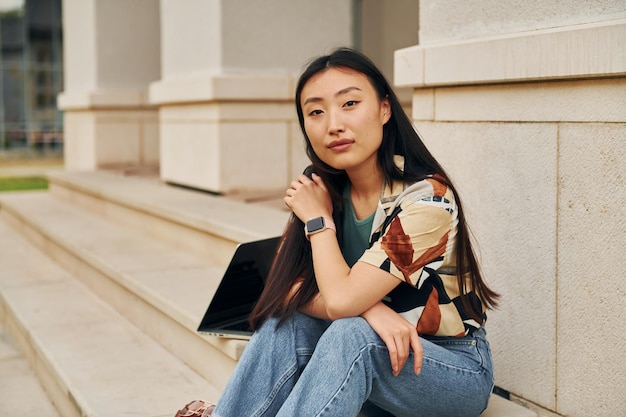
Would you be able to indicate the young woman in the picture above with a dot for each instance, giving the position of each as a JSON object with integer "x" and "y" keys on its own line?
{"x": 375, "y": 295}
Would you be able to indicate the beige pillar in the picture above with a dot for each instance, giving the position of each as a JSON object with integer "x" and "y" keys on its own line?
{"x": 111, "y": 54}
{"x": 227, "y": 120}
{"x": 526, "y": 107}
{"x": 386, "y": 26}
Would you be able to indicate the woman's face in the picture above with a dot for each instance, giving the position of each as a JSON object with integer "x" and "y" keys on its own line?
{"x": 344, "y": 118}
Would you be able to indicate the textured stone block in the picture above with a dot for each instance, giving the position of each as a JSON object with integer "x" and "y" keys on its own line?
{"x": 591, "y": 264}
{"x": 506, "y": 174}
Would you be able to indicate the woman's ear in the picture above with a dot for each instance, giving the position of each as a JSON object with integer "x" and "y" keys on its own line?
{"x": 385, "y": 110}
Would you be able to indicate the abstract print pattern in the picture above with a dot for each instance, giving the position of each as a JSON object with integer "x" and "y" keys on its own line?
{"x": 414, "y": 240}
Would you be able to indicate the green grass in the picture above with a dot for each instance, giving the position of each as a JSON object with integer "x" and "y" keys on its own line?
{"x": 23, "y": 183}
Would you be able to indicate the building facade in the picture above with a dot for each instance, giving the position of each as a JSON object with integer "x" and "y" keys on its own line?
{"x": 31, "y": 76}
{"x": 524, "y": 104}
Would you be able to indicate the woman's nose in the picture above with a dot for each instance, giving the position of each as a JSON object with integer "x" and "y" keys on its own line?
{"x": 335, "y": 123}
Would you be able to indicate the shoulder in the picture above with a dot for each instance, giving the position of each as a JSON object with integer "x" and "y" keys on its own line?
{"x": 422, "y": 206}
{"x": 431, "y": 191}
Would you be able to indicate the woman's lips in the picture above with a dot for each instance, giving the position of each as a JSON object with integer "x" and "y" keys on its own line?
{"x": 340, "y": 144}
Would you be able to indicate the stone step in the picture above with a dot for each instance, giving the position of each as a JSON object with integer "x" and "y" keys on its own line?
{"x": 162, "y": 289}
{"x": 89, "y": 359}
{"x": 501, "y": 407}
{"x": 205, "y": 224}
{"x": 20, "y": 390}
{"x": 160, "y": 286}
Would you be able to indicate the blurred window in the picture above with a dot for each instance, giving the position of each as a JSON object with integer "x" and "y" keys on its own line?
{"x": 31, "y": 75}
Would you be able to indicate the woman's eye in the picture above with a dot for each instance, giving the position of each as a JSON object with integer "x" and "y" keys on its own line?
{"x": 315, "y": 112}
{"x": 350, "y": 103}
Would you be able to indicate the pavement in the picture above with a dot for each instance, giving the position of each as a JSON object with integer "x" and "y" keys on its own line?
{"x": 29, "y": 167}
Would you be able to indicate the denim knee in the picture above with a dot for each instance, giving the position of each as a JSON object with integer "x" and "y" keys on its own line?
{"x": 350, "y": 333}
{"x": 349, "y": 324}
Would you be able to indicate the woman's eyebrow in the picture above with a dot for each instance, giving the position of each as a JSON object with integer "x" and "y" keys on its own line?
{"x": 337, "y": 94}
{"x": 346, "y": 91}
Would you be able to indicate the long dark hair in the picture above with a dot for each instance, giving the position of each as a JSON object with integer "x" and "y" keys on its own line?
{"x": 294, "y": 261}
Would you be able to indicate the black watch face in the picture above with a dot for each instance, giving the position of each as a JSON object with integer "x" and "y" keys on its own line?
{"x": 314, "y": 225}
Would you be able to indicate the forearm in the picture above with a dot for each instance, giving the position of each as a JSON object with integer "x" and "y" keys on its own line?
{"x": 377, "y": 308}
{"x": 332, "y": 273}
{"x": 331, "y": 270}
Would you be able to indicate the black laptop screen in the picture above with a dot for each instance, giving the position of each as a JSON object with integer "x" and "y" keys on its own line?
{"x": 242, "y": 283}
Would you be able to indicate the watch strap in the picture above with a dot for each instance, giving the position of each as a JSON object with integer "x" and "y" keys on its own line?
{"x": 327, "y": 223}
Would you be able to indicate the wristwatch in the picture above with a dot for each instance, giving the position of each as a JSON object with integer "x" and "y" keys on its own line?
{"x": 318, "y": 224}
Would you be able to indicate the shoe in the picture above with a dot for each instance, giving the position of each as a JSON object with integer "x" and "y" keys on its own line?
{"x": 196, "y": 408}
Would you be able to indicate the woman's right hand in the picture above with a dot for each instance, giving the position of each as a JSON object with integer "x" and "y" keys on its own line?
{"x": 399, "y": 335}
{"x": 309, "y": 198}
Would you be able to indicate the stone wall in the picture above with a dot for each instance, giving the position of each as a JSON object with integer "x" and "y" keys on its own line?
{"x": 531, "y": 126}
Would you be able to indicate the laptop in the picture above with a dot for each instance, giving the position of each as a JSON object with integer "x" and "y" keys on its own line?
{"x": 240, "y": 288}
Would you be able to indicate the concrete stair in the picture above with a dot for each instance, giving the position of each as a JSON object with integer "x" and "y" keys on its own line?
{"x": 20, "y": 392}
{"x": 103, "y": 280}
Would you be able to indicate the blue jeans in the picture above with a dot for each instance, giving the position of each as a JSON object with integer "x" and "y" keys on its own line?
{"x": 312, "y": 367}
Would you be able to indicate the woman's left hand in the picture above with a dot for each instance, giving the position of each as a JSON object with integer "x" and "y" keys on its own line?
{"x": 399, "y": 335}
{"x": 309, "y": 198}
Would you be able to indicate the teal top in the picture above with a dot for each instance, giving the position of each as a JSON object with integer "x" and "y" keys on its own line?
{"x": 356, "y": 233}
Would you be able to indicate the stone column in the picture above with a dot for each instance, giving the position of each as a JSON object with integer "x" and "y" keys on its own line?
{"x": 111, "y": 54}
{"x": 227, "y": 119}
